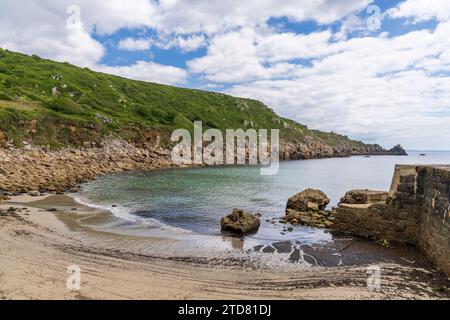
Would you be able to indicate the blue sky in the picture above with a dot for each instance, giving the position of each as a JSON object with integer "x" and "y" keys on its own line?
{"x": 378, "y": 71}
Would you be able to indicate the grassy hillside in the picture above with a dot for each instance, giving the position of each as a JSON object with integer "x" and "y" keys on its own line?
{"x": 57, "y": 104}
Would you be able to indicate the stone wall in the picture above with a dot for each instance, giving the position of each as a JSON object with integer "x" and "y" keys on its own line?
{"x": 416, "y": 212}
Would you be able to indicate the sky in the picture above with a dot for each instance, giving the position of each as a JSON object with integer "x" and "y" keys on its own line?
{"x": 377, "y": 71}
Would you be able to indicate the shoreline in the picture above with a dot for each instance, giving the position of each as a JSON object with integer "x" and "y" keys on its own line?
{"x": 37, "y": 246}
{"x": 38, "y": 170}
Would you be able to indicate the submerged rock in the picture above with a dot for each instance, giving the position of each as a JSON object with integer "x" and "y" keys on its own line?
{"x": 240, "y": 222}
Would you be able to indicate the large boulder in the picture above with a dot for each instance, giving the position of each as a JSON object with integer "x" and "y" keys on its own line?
{"x": 240, "y": 222}
{"x": 308, "y": 208}
{"x": 364, "y": 197}
{"x": 308, "y": 200}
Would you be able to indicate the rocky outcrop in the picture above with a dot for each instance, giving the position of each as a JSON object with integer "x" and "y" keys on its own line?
{"x": 37, "y": 169}
{"x": 308, "y": 208}
{"x": 240, "y": 222}
{"x": 308, "y": 200}
{"x": 315, "y": 148}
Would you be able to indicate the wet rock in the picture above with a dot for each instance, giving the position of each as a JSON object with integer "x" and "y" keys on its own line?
{"x": 308, "y": 208}
{"x": 269, "y": 249}
{"x": 240, "y": 222}
{"x": 258, "y": 247}
{"x": 308, "y": 200}
{"x": 283, "y": 247}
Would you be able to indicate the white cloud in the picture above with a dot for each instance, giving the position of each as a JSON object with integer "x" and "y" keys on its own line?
{"x": 380, "y": 88}
{"x": 420, "y": 10}
{"x": 130, "y": 44}
{"x": 217, "y": 16}
{"x": 191, "y": 43}
{"x": 288, "y": 46}
{"x": 27, "y": 27}
{"x": 185, "y": 43}
{"x": 41, "y": 28}
{"x": 374, "y": 88}
{"x": 230, "y": 58}
{"x": 147, "y": 71}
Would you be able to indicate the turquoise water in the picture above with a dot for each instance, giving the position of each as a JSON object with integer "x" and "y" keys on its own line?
{"x": 194, "y": 200}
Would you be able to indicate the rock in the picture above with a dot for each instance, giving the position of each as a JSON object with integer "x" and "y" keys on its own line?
{"x": 34, "y": 194}
{"x": 364, "y": 197}
{"x": 308, "y": 200}
{"x": 398, "y": 150}
{"x": 240, "y": 222}
{"x": 328, "y": 224}
{"x": 4, "y": 198}
{"x": 308, "y": 208}
{"x": 74, "y": 190}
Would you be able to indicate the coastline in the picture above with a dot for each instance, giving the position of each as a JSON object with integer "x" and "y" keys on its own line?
{"x": 39, "y": 170}
{"x": 37, "y": 246}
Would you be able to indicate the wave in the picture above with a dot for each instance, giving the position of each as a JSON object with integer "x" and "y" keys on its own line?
{"x": 127, "y": 214}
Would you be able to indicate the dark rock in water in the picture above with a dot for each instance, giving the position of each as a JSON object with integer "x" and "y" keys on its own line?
{"x": 364, "y": 197}
{"x": 398, "y": 151}
{"x": 308, "y": 200}
{"x": 268, "y": 249}
{"x": 283, "y": 247}
{"x": 52, "y": 210}
{"x": 295, "y": 255}
{"x": 240, "y": 222}
{"x": 258, "y": 247}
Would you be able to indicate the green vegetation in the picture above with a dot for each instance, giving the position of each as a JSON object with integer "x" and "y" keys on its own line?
{"x": 57, "y": 104}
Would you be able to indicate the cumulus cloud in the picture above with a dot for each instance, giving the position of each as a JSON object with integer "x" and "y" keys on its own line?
{"x": 372, "y": 86}
{"x": 381, "y": 89}
{"x": 62, "y": 30}
{"x": 185, "y": 43}
{"x": 419, "y": 10}
{"x": 27, "y": 27}
{"x": 217, "y": 16}
{"x": 147, "y": 71}
{"x": 130, "y": 44}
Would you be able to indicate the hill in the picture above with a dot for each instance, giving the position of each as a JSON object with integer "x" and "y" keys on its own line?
{"x": 46, "y": 103}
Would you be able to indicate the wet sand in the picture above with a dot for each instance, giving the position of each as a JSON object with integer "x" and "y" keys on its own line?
{"x": 38, "y": 243}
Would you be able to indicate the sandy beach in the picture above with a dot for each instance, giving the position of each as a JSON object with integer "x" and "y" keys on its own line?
{"x": 44, "y": 236}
